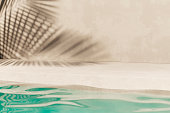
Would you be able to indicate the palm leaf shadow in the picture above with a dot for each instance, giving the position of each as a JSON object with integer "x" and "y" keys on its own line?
{"x": 31, "y": 31}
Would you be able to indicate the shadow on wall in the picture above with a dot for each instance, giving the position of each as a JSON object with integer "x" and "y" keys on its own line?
{"x": 1, "y": 56}
{"x": 30, "y": 30}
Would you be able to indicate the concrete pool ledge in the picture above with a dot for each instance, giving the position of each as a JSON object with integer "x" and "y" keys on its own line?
{"x": 112, "y": 75}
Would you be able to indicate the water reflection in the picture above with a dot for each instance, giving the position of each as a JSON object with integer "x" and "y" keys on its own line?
{"x": 39, "y": 99}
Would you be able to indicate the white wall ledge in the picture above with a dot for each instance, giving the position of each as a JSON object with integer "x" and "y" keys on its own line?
{"x": 129, "y": 76}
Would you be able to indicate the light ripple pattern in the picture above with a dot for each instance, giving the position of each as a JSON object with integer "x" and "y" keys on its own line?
{"x": 19, "y": 98}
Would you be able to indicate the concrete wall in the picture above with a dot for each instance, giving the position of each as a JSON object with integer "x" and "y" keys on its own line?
{"x": 132, "y": 30}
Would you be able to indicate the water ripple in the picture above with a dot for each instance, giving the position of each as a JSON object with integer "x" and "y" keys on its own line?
{"x": 39, "y": 99}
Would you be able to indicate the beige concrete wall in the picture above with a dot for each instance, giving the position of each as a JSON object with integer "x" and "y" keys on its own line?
{"x": 132, "y": 30}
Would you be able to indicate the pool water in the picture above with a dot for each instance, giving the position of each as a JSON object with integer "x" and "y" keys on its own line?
{"x": 35, "y": 99}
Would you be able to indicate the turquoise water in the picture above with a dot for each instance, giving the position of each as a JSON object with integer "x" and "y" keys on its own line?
{"x": 34, "y": 99}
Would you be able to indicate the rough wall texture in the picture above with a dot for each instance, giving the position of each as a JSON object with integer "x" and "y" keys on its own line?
{"x": 133, "y": 30}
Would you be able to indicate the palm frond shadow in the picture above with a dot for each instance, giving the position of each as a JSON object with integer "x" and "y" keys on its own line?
{"x": 30, "y": 30}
